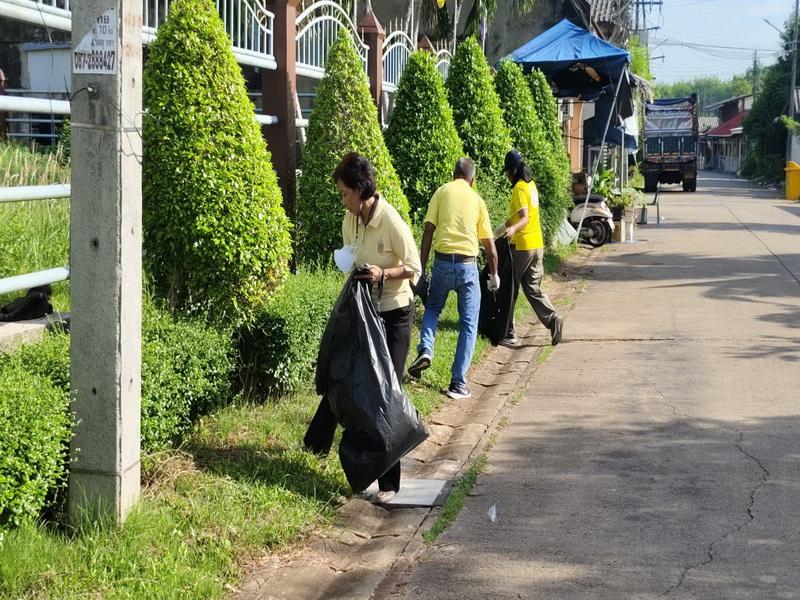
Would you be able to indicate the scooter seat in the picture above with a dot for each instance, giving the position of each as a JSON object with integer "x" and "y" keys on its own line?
{"x": 593, "y": 199}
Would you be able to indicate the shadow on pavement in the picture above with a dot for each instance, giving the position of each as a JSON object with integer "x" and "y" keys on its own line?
{"x": 630, "y": 511}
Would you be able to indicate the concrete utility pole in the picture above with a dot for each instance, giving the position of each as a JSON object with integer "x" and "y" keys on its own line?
{"x": 105, "y": 257}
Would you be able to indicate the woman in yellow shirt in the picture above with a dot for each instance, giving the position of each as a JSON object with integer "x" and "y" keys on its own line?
{"x": 524, "y": 231}
{"x": 377, "y": 237}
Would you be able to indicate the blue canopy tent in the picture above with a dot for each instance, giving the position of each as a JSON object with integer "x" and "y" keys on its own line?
{"x": 581, "y": 65}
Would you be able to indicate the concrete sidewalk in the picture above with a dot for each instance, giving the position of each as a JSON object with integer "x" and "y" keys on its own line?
{"x": 657, "y": 452}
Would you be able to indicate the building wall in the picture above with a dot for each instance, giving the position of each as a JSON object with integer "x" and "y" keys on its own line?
{"x": 12, "y": 35}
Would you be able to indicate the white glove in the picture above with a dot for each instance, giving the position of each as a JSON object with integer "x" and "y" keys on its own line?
{"x": 493, "y": 284}
{"x": 500, "y": 232}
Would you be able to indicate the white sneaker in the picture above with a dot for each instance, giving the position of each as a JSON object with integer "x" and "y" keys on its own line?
{"x": 384, "y": 497}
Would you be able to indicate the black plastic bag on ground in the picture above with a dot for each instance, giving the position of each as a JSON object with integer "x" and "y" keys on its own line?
{"x": 356, "y": 375}
{"x": 497, "y": 308}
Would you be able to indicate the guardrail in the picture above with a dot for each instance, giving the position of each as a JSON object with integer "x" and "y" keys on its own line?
{"x": 26, "y": 281}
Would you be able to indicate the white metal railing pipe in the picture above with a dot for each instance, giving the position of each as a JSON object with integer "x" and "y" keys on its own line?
{"x": 30, "y": 280}
{"x": 33, "y": 105}
{"x": 37, "y": 13}
{"x": 266, "y": 119}
{"x": 34, "y": 192}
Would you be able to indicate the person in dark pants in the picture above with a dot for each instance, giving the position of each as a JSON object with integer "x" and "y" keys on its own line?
{"x": 524, "y": 230}
{"x": 374, "y": 235}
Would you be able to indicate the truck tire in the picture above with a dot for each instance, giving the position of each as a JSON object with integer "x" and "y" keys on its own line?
{"x": 650, "y": 184}
{"x": 689, "y": 185}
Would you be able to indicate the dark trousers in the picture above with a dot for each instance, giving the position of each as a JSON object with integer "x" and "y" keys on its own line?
{"x": 319, "y": 437}
{"x": 528, "y": 274}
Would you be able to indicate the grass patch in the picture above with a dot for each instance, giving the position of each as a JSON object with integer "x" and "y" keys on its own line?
{"x": 241, "y": 486}
{"x": 455, "y": 499}
{"x": 544, "y": 354}
{"x": 554, "y": 258}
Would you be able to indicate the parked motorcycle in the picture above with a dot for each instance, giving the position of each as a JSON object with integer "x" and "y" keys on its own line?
{"x": 598, "y": 222}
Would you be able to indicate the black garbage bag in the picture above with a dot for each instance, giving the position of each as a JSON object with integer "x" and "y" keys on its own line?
{"x": 34, "y": 305}
{"x": 356, "y": 375}
{"x": 497, "y": 308}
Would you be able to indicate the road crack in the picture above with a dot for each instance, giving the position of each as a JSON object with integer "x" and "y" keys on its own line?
{"x": 711, "y": 548}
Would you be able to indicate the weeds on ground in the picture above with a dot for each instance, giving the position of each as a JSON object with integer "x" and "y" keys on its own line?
{"x": 455, "y": 499}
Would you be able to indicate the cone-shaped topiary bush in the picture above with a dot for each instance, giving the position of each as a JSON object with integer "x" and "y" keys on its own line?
{"x": 344, "y": 120}
{"x": 547, "y": 109}
{"x": 529, "y": 138}
{"x": 422, "y": 136}
{"x": 476, "y": 108}
{"x": 216, "y": 237}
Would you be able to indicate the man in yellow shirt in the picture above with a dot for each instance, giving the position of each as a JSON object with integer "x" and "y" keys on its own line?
{"x": 524, "y": 230}
{"x": 456, "y": 221}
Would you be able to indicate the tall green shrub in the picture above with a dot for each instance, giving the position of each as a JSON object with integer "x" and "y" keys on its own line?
{"x": 344, "y": 120}
{"x": 547, "y": 109}
{"x": 277, "y": 352}
{"x": 422, "y": 136}
{"x": 215, "y": 234}
{"x": 476, "y": 108}
{"x": 528, "y": 136}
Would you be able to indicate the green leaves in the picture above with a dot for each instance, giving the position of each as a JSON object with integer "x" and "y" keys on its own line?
{"x": 344, "y": 120}
{"x": 215, "y": 234}
{"x": 422, "y": 136}
{"x": 476, "y": 108}
{"x": 554, "y": 188}
{"x": 529, "y": 138}
{"x": 35, "y": 428}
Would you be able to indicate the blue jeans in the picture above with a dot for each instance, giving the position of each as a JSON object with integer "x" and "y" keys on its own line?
{"x": 463, "y": 278}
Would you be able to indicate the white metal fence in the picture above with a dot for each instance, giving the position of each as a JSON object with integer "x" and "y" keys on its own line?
{"x": 318, "y": 27}
{"x": 248, "y": 23}
{"x": 396, "y": 51}
{"x": 443, "y": 58}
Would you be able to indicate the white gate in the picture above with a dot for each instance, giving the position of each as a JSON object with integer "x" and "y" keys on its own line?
{"x": 443, "y": 58}
{"x": 397, "y": 49}
{"x": 318, "y": 27}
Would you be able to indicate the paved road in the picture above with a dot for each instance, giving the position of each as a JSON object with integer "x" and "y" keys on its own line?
{"x": 657, "y": 452}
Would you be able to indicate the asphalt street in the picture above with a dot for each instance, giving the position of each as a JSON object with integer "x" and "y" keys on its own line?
{"x": 656, "y": 453}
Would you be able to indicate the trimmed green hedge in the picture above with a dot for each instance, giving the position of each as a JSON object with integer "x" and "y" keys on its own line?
{"x": 277, "y": 353}
{"x": 35, "y": 428}
{"x": 530, "y": 139}
{"x": 422, "y": 136}
{"x": 216, "y": 236}
{"x": 344, "y": 120}
{"x": 187, "y": 368}
{"x": 476, "y": 109}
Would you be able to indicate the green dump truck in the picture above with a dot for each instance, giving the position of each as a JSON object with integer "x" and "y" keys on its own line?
{"x": 670, "y": 143}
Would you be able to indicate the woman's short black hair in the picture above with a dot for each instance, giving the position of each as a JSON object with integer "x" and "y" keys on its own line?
{"x": 357, "y": 173}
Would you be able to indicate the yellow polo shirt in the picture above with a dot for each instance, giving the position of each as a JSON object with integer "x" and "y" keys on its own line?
{"x": 461, "y": 219}
{"x": 386, "y": 242}
{"x": 523, "y": 195}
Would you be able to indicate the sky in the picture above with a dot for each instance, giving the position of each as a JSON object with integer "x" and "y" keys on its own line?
{"x": 737, "y": 23}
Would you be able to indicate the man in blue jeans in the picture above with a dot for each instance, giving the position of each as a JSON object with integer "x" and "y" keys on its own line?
{"x": 456, "y": 221}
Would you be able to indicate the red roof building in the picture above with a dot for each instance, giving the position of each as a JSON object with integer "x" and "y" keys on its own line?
{"x": 724, "y": 146}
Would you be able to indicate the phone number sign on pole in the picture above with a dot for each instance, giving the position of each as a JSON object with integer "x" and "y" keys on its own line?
{"x": 97, "y": 51}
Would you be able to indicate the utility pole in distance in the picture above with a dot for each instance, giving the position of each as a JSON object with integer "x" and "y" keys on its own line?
{"x": 106, "y": 258}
